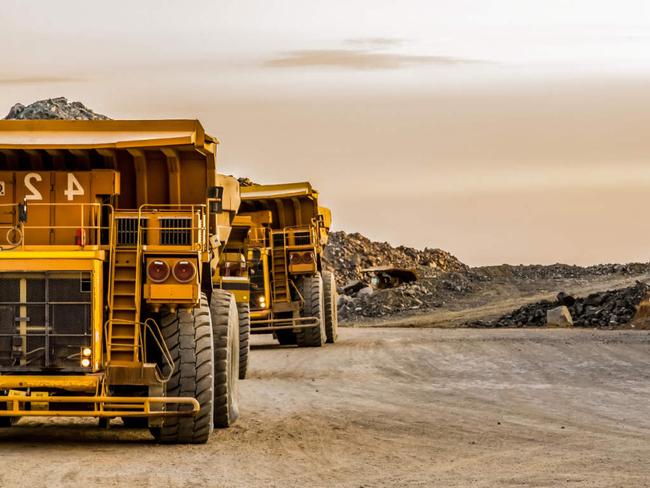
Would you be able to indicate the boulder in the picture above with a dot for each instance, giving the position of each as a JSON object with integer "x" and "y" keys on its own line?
{"x": 366, "y": 291}
{"x": 559, "y": 317}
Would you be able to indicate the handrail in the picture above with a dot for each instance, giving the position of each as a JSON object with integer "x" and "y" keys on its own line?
{"x": 160, "y": 342}
{"x": 91, "y": 212}
{"x": 198, "y": 212}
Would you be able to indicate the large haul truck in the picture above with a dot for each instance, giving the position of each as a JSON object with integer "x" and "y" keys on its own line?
{"x": 110, "y": 242}
{"x": 291, "y": 295}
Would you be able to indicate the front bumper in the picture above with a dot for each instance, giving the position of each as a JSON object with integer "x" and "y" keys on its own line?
{"x": 101, "y": 406}
{"x": 266, "y": 326}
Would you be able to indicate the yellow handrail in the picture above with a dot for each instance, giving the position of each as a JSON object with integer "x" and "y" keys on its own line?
{"x": 87, "y": 211}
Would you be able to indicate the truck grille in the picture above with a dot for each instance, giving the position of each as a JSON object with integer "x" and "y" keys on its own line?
{"x": 127, "y": 231}
{"x": 175, "y": 231}
{"x": 45, "y": 320}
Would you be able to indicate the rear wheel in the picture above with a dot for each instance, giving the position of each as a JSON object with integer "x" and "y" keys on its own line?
{"x": 330, "y": 312}
{"x": 312, "y": 293}
{"x": 188, "y": 336}
{"x": 244, "y": 338}
{"x": 225, "y": 330}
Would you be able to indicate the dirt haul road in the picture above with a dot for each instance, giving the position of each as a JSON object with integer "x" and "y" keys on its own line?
{"x": 391, "y": 407}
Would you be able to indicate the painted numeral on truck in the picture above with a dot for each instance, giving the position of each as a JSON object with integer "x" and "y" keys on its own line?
{"x": 74, "y": 188}
{"x": 35, "y": 194}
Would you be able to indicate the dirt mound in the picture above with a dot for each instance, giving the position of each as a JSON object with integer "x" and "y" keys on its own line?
{"x": 53, "y": 109}
{"x": 348, "y": 254}
{"x": 606, "y": 309}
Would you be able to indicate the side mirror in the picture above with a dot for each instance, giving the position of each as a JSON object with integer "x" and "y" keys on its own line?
{"x": 215, "y": 196}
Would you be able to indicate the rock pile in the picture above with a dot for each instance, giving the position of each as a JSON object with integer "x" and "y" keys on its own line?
{"x": 420, "y": 296}
{"x": 559, "y": 271}
{"x": 347, "y": 254}
{"x": 605, "y": 309}
{"x": 53, "y": 108}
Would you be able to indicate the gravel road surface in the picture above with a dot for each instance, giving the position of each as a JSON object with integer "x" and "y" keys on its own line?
{"x": 389, "y": 407}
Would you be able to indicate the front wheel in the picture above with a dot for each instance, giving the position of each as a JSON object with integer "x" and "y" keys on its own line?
{"x": 331, "y": 314}
{"x": 244, "y": 310}
{"x": 225, "y": 330}
{"x": 312, "y": 294}
{"x": 188, "y": 336}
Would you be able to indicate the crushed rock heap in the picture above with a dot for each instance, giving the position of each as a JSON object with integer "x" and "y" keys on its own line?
{"x": 445, "y": 289}
{"x": 347, "y": 254}
{"x": 608, "y": 308}
{"x": 54, "y": 109}
{"x": 417, "y": 297}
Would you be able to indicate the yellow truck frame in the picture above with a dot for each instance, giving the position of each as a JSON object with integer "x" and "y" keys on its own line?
{"x": 292, "y": 296}
{"x": 109, "y": 297}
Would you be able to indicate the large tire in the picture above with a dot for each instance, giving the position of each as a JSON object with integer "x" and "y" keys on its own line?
{"x": 188, "y": 336}
{"x": 225, "y": 330}
{"x": 244, "y": 310}
{"x": 312, "y": 293}
{"x": 331, "y": 315}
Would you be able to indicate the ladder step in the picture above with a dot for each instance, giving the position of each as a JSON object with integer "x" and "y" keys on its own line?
{"x": 124, "y": 274}
{"x": 122, "y": 342}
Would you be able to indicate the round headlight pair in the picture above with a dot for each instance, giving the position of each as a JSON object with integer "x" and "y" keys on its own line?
{"x": 301, "y": 258}
{"x": 159, "y": 271}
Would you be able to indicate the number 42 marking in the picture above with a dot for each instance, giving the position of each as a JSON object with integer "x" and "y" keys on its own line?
{"x": 74, "y": 187}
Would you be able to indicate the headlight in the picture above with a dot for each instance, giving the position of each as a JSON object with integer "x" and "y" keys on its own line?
{"x": 184, "y": 271}
{"x": 308, "y": 257}
{"x": 86, "y": 352}
{"x": 158, "y": 271}
{"x": 85, "y": 362}
{"x": 261, "y": 301}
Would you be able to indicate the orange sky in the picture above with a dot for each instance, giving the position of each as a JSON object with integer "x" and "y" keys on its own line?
{"x": 514, "y": 133}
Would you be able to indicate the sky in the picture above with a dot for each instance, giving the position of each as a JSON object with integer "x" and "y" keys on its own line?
{"x": 503, "y": 131}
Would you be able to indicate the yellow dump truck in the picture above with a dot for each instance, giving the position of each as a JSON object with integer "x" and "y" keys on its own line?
{"x": 291, "y": 295}
{"x": 110, "y": 241}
